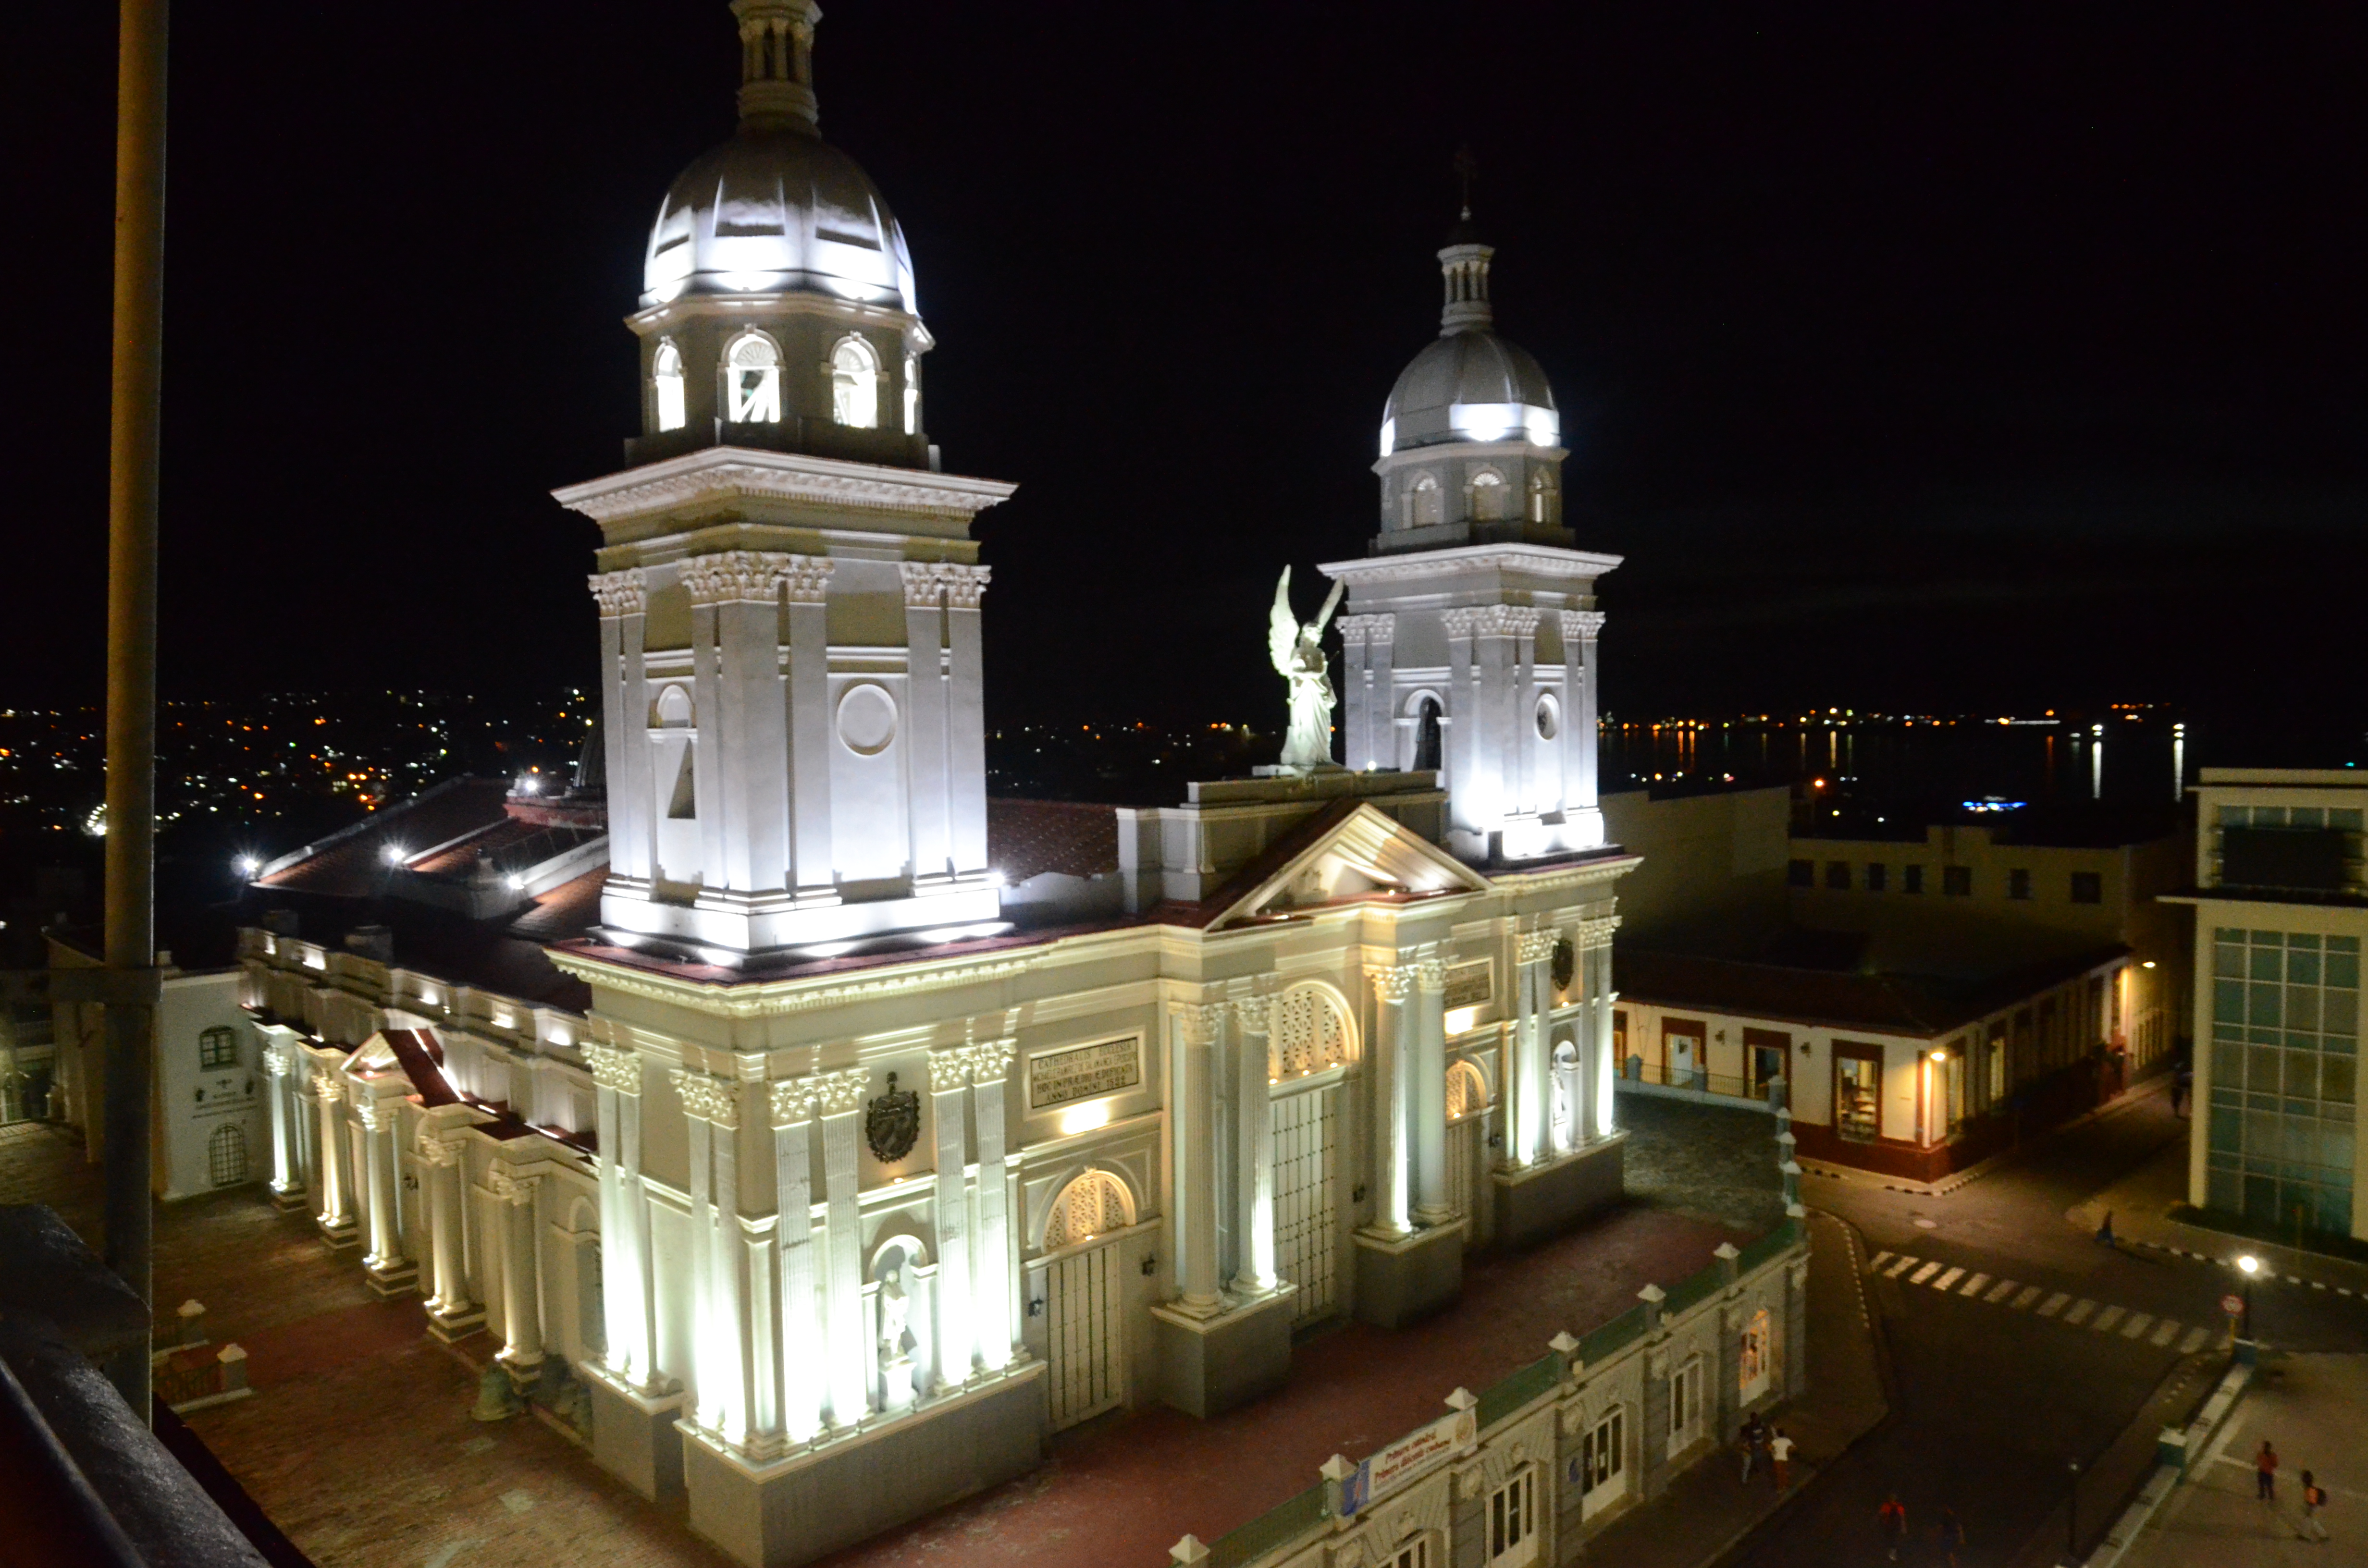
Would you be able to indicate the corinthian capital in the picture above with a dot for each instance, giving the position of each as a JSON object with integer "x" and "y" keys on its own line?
{"x": 1430, "y": 974}
{"x": 620, "y": 593}
{"x": 792, "y": 1101}
{"x": 965, "y": 586}
{"x": 708, "y": 1097}
{"x": 990, "y": 1059}
{"x": 613, "y": 1067}
{"x": 1536, "y": 946}
{"x": 1506, "y": 620}
{"x": 1581, "y": 625}
{"x": 949, "y": 1069}
{"x": 1200, "y": 1021}
{"x": 842, "y": 1092}
{"x": 327, "y": 1087}
{"x": 1361, "y": 630}
{"x": 1392, "y": 982}
{"x": 512, "y": 1189}
{"x": 733, "y": 576}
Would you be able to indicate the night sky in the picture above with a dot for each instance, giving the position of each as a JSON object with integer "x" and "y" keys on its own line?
{"x": 1916, "y": 358}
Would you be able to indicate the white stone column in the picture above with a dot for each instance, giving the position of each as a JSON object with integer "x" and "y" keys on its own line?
{"x": 991, "y": 1292}
{"x": 1534, "y": 1110}
{"x": 447, "y": 1248}
{"x": 1595, "y": 945}
{"x": 1393, "y": 1045}
{"x": 1253, "y": 1144}
{"x": 1579, "y": 631}
{"x": 285, "y": 1179}
{"x": 850, "y": 1344}
{"x": 743, "y": 733}
{"x": 710, "y": 1112}
{"x": 1521, "y": 757}
{"x": 950, "y": 1205}
{"x": 624, "y": 725}
{"x": 709, "y": 764}
{"x": 625, "y": 1216}
{"x": 336, "y": 1209}
{"x": 1459, "y": 747}
{"x": 1427, "y": 1093}
{"x": 807, "y": 584}
{"x": 802, "y": 1353}
{"x": 926, "y": 736}
{"x": 521, "y": 1349}
{"x": 967, "y": 717}
{"x": 1192, "y": 1120}
{"x": 384, "y": 1252}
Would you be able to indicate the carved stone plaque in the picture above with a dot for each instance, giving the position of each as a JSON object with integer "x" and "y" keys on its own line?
{"x": 1084, "y": 1072}
{"x": 892, "y": 1123}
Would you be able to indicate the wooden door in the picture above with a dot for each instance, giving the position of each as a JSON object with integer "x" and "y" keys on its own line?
{"x": 1082, "y": 1295}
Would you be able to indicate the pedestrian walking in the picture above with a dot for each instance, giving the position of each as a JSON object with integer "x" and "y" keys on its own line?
{"x": 1952, "y": 1535}
{"x": 1891, "y": 1519}
{"x": 2314, "y": 1498}
{"x": 2265, "y": 1473}
{"x": 1752, "y": 1439}
{"x": 1780, "y": 1458}
{"x": 2105, "y": 1231}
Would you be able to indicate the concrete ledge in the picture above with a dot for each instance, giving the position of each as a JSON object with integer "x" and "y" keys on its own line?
{"x": 1208, "y": 1366}
{"x": 1546, "y": 1199}
{"x": 1401, "y": 1279}
{"x": 633, "y": 1437}
{"x": 785, "y": 1511}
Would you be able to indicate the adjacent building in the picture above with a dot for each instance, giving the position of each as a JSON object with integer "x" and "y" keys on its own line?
{"x": 2280, "y": 908}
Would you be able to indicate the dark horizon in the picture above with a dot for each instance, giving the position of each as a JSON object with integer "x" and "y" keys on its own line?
{"x": 1912, "y": 364}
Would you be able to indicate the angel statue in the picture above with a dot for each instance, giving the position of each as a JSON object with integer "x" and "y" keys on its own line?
{"x": 1299, "y": 658}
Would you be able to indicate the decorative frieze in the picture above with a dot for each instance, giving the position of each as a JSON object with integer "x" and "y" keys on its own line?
{"x": 613, "y": 1067}
{"x": 620, "y": 593}
{"x": 708, "y": 1097}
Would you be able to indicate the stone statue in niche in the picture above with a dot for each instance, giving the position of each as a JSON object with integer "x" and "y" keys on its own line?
{"x": 892, "y": 1123}
{"x": 895, "y": 1319}
{"x": 1299, "y": 658}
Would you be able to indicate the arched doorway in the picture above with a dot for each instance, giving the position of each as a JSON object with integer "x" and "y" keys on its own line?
{"x": 1311, "y": 1036}
{"x": 1468, "y": 1137}
{"x": 1083, "y": 1296}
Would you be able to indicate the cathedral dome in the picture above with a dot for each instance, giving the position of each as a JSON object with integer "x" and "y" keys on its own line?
{"x": 1470, "y": 385}
{"x": 778, "y": 209}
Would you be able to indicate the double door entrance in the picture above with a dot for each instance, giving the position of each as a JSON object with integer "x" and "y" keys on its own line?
{"x": 1082, "y": 1308}
{"x": 1307, "y": 1202}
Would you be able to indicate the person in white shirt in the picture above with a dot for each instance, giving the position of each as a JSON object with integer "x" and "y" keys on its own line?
{"x": 1779, "y": 1454}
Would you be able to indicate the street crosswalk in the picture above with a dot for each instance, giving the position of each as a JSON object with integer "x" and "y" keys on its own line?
{"x": 2080, "y": 1312}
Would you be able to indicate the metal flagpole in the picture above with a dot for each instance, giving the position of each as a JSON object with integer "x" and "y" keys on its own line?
{"x": 132, "y": 660}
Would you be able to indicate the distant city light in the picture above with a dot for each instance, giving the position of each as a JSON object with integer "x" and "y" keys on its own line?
{"x": 248, "y": 865}
{"x": 393, "y": 854}
{"x": 1992, "y": 803}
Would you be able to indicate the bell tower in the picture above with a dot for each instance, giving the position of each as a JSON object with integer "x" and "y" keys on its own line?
{"x": 1469, "y": 639}
{"x": 789, "y": 594}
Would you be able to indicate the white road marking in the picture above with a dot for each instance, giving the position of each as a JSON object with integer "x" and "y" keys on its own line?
{"x": 1973, "y": 1286}
{"x": 2106, "y": 1319}
{"x": 1876, "y": 1261}
{"x": 2029, "y": 1294}
{"x": 2166, "y": 1334}
{"x": 1948, "y": 1279}
{"x": 1923, "y": 1274}
{"x": 2137, "y": 1325}
{"x": 2005, "y": 1289}
{"x": 1898, "y": 1268}
{"x": 2056, "y": 1303}
{"x": 2080, "y": 1310}
{"x": 2194, "y": 1341}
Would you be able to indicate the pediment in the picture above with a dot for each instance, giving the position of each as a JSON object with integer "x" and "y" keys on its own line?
{"x": 1367, "y": 854}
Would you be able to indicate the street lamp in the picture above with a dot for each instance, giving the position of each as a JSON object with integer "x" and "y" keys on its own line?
{"x": 2249, "y": 1266}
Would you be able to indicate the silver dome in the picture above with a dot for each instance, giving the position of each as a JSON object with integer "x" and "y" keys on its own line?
{"x": 778, "y": 209}
{"x": 1470, "y": 385}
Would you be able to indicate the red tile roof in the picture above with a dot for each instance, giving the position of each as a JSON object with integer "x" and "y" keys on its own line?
{"x": 1888, "y": 1004}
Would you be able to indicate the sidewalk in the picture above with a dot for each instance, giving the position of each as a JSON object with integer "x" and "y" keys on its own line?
{"x": 1706, "y": 1512}
{"x": 2310, "y": 1407}
{"x": 2140, "y": 1204}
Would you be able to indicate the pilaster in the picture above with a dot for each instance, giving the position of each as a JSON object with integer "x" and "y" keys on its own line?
{"x": 926, "y": 738}
{"x": 735, "y": 595}
{"x": 804, "y": 1386}
{"x": 841, "y": 1101}
{"x": 1426, "y": 1068}
{"x": 990, "y": 1072}
{"x": 623, "y": 599}
{"x": 1253, "y": 1145}
{"x": 521, "y": 1349}
{"x": 1192, "y": 1119}
{"x": 949, "y": 1104}
{"x": 966, "y": 716}
{"x": 806, "y": 587}
{"x": 1392, "y": 1047}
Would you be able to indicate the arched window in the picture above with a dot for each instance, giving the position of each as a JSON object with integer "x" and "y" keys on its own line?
{"x": 855, "y": 384}
{"x": 1423, "y": 502}
{"x": 912, "y": 394}
{"x": 1487, "y": 496}
{"x": 752, "y": 377}
{"x": 227, "y": 1156}
{"x": 1309, "y": 1034}
{"x": 665, "y": 379}
{"x": 1545, "y": 506}
{"x": 1093, "y": 1205}
{"x": 673, "y": 708}
{"x": 217, "y": 1046}
{"x": 1467, "y": 1091}
{"x": 1426, "y": 735}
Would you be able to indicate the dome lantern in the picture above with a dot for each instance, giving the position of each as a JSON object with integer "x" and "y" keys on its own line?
{"x": 777, "y": 62}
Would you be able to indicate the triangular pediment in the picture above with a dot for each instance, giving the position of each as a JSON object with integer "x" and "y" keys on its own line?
{"x": 1366, "y": 854}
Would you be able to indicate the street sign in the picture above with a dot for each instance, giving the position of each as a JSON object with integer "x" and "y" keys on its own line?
{"x": 2233, "y": 1305}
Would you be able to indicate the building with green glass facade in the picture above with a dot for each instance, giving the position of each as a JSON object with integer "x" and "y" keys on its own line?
{"x": 2281, "y": 911}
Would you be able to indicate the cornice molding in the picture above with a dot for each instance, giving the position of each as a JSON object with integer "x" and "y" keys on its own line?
{"x": 731, "y": 473}
{"x": 779, "y": 998}
{"x": 1536, "y": 559}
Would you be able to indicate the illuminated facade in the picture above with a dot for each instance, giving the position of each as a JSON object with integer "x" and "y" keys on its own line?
{"x": 1470, "y": 635}
{"x": 868, "y": 1130}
